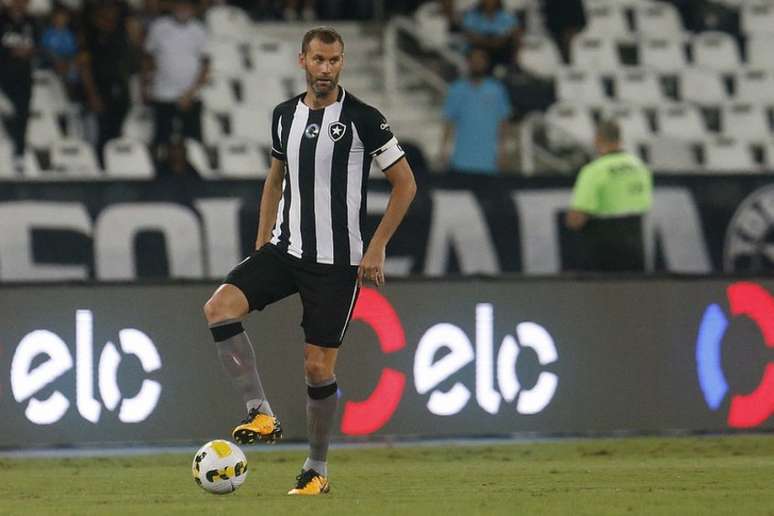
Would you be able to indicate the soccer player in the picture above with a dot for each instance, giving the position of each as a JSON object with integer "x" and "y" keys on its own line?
{"x": 309, "y": 242}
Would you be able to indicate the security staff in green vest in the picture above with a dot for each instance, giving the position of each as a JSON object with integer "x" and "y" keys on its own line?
{"x": 610, "y": 197}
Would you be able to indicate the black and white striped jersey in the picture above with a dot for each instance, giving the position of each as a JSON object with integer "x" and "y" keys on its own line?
{"x": 327, "y": 154}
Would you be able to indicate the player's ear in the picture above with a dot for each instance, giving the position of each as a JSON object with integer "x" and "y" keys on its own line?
{"x": 301, "y": 60}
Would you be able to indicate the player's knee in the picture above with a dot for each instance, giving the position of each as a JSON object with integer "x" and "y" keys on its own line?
{"x": 317, "y": 370}
{"x": 218, "y": 309}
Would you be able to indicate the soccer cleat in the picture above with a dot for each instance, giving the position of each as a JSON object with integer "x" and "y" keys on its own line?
{"x": 310, "y": 483}
{"x": 257, "y": 427}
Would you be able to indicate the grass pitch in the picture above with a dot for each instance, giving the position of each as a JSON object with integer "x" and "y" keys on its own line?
{"x": 714, "y": 475}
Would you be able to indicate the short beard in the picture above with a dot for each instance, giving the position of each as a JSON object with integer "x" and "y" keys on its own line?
{"x": 320, "y": 94}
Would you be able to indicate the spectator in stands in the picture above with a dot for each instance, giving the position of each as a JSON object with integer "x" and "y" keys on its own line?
{"x": 490, "y": 27}
{"x": 306, "y": 9}
{"x": 610, "y": 197}
{"x": 106, "y": 64}
{"x": 175, "y": 71}
{"x": 60, "y": 46}
{"x": 477, "y": 110}
{"x": 17, "y": 49}
{"x": 564, "y": 19}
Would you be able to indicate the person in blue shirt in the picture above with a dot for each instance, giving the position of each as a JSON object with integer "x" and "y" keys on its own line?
{"x": 60, "y": 46}
{"x": 476, "y": 110}
{"x": 490, "y": 27}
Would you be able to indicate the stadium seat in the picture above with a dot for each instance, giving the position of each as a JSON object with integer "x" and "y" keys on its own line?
{"x": 43, "y": 130}
{"x": 716, "y": 51}
{"x": 218, "y": 94}
{"x": 755, "y": 86}
{"x": 632, "y": 121}
{"x": 139, "y": 124}
{"x": 592, "y": 53}
{"x": 757, "y": 18}
{"x": 128, "y": 159}
{"x": 6, "y": 108}
{"x": 702, "y": 87}
{"x": 639, "y": 87}
{"x": 580, "y": 86}
{"x": 48, "y": 93}
{"x": 728, "y": 155}
{"x": 569, "y": 125}
{"x": 769, "y": 155}
{"x": 658, "y": 18}
{"x": 212, "y": 128}
{"x": 7, "y": 171}
{"x": 606, "y": 20}
{"x": 671, "y": 155}
{"x": 225, "y": 57}
{"x": 277, "y": 58}
{"x": 228, "y": 22}
{"x": 759, "y": 54}
{"x": 746, "y": 121}
{"x": 196, "y": 155}
{"x": 539, "y": 56}
{"x": 253, "y": 124}
{"x": 265, "y": 90}
{"x": 681, "y": 121}
{"x": 40, "y": 7}
{"x": 241, "y": 158}
{"x": 74, "y": 158}
{"x": 665, "y": 55}
{"x": 432, "y": 25}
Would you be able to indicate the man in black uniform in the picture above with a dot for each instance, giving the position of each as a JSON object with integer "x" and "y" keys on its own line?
{"x": 310, "y": 242}
{"x": 17, "y": 47}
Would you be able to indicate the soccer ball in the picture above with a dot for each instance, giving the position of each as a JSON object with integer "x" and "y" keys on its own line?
{"x": 219, "y": 467}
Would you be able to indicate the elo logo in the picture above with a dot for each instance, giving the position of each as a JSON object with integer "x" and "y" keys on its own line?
{"x": 753, "y": 301}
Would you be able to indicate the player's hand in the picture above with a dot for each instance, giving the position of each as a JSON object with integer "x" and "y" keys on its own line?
{"x": 372, "y": 266}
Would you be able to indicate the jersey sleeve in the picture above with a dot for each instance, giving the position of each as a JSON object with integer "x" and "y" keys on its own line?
{"x": 585, "y": 196}
{"x": 378, "y": 140}
{"x": 277, "y": 151}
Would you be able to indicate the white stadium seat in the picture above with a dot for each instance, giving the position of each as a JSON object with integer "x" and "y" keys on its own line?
{"x": 7, "y": 171}
{"x": 6, "y": 108}
{"x": 48, "y": 93}
{"x": 275, "y": 57}
{"x": 662, "y": 54}
{"x": 606, "y": 20}
{"x": 759, "y": 54}
{"x": 728, "y": 155}
{"x": 196, "y": 155}
{"x": 241, "y": 158}
{"x": 569, "y": 124}
{"x": 580, "y": 86}
{"x": 228, "y": 22}
{"x": 225, "y": 57}
{"x": 539, "y": 55}
{"x": 40, "y": 7}
{"x": 769, "y": 155}
{"x": 432, "y": 25}
{"x": 702, "y": 86}
{"x": 757, "y": 17}
{"x": 755, "y": 86}
{"x": 596, "y": 54}
{"x": 138, "y": 124}
{"x": 671, "y": 155}
{"x": 265, "y": 90}
{"x": 253, "y": 124}
{"x": 74, "y": 158}
{"x": 746, "y": 121}
{"x": 212, "y": 128}
{"x": 716, "y": 51}
{"x": 658, "y": 18}
{"x": 681, "y": 121}
{"x": 639, "y": 87}
{"x": 632, "y": 121}
{"x": 218, "y": 94}
{"x": 128, "y": 159}
{"x": 42, "y": 129}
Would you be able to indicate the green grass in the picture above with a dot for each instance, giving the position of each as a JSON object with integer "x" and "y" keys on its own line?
{"x": 718, "y": 475}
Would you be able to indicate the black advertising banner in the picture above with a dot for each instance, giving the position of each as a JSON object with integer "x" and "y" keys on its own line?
{"x": 135, "y": 363}
{"x": 457, "y": 225}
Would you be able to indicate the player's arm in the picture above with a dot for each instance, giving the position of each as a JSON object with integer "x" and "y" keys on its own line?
{"x": 404, "y": 188}
{"x": 584, "y": 199}
{"x": 270, "y": 198}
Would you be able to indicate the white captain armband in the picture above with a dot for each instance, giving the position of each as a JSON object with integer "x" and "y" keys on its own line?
{"x": 388, "y": 154}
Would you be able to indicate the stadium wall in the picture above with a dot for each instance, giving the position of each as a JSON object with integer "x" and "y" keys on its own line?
{"x": 199, "y": 230}
{"x": 134, "y": 363}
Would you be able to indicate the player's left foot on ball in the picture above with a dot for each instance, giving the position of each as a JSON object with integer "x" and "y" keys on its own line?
{"x": 310, "y": 483}
{"x": 257, "y": 427}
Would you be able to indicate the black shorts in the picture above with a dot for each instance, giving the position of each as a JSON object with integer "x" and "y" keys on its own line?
{"x": 328, "y": 292}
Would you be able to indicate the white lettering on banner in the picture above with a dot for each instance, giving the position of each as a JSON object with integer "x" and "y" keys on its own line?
{"x": 428, "y": 374}
{"x": 25, "y": 383}
{"x": 674, "y": 221}
{"x": 17, "y": 222}
{"x": 459, "y": 222}
{"x": 118, "y": 226}
{"x": 220, "y": 218}
{"x": 748, "y": 231}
